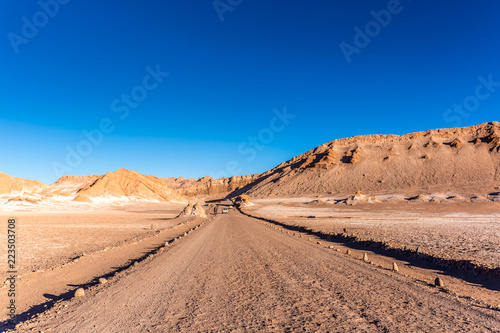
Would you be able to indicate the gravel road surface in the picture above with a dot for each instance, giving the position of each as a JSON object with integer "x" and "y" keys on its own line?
{"x": 235, "y": 274}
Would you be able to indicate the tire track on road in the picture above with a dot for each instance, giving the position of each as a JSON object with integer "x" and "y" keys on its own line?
{"x": 236, "y": 274}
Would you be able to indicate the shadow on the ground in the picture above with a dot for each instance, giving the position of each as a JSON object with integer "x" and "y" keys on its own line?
{"x": 465, "y": 270}
{"x": 35, "y": 310}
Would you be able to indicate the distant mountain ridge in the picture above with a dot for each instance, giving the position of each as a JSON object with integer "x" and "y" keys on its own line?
{"x": 465, "y": 159}
{"x": 457, "y": 159}
{"x": 130, "y": 184}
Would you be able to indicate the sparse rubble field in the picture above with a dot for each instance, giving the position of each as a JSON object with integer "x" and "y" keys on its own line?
{"x": 50, "y": 238}
{"x": 459, "y": 231}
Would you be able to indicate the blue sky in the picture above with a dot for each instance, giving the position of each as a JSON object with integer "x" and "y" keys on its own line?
{"x": 216, "y": 111}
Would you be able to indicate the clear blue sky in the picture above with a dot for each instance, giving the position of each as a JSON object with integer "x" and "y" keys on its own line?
{"x": 226, "y": 77}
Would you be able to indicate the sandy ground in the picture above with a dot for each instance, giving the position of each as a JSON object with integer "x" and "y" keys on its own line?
{"x": 461, "y": 231}
{"x": 38, "y": 291}
{"x": 49, "y": 238}
{"x": 238, "y": 274}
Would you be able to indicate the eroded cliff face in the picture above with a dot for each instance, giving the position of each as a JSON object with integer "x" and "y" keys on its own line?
{"x": 456, "y": 159}
{"x": 210, "y": 186}
{"x": 463, "y": 159}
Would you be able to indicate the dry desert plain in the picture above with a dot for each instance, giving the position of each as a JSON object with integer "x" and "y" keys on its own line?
{"x": 238, "y": 273}
{"x": 378, "y": 233}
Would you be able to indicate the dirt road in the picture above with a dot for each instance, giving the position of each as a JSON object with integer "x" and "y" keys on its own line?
{"x": 236, "y": 274}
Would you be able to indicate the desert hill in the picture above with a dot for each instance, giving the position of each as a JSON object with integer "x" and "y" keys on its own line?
{"x": 127, "y": 184}
{"x": 458, "y": 159}
{"x": 69, "y": 186}
{"x": 121, "y": 185}
{"x": 17, "y": 186}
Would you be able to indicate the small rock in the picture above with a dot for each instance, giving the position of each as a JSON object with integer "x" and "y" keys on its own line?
{"x": 79, "y": 292}
{"x": 348, "y": 252}
{"x": 331, "y": 246}
{"x": 438, "y": 282}
{"x": 395, "y": 267}
{"x": 102, "y": 281}
{"x": 319, "y": 243}
{"x": 365, "y": 257}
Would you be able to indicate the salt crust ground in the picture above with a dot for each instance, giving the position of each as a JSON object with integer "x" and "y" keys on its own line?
{"x": 469, "y": 231}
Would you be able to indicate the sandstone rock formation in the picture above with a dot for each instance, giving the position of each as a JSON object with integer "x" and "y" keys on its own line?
{"x": 464, "y": 159}
{"x": 195, "y": 210}
{"x": 15, "y": 185}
